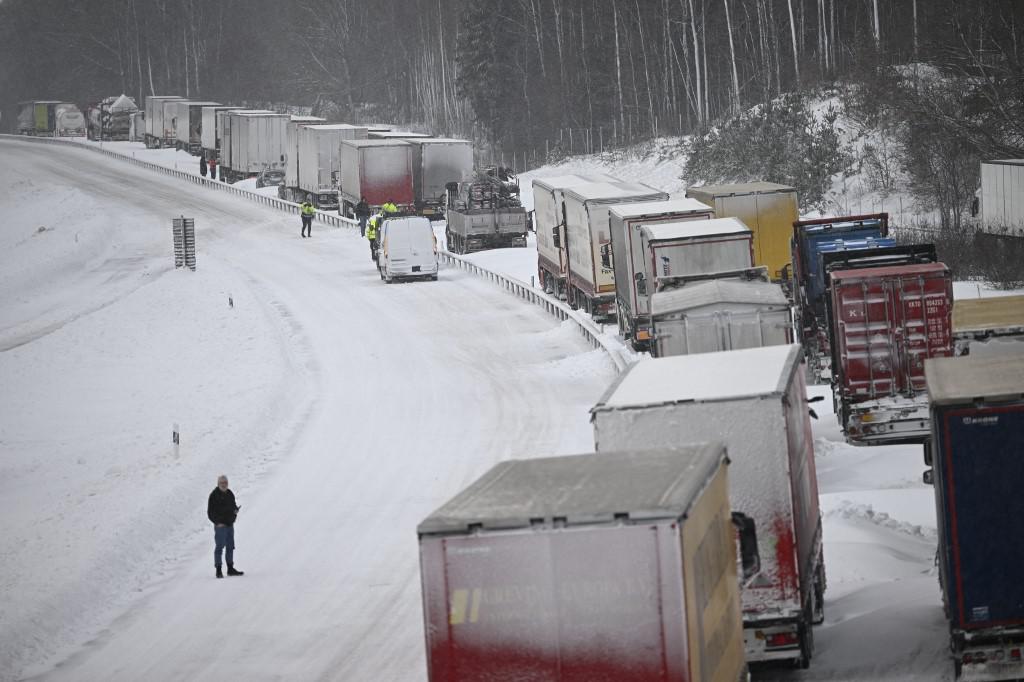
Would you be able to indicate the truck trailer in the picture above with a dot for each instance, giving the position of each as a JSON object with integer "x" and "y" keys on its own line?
{"x": 549, "y": 226}
{"x": 617, "y": 566}
{"x": 719, "y": 315}
{"x": 210, "y": 133}
{"x": 768, "y": 209}
{"x": 437, "y": 162}
{"x": 884, "y": 322}
{"x": 977, "y": 441}
{"x": 755, "y": 401}
{"x": 379, "y": 170}
{"x": 591, "y": 275}
{"x": 318, "y": 162}
{"x": 50, "y": 118}
{"x": 289, "y": 190}
{"x": 111, "y": 118}
{"x": 188, "y": 124}
{"x": 1002, "y": 197}
{"x": 988, "y": 325}
{"x": 156, "y": 127}
{"x": 674, "y": 238}
{"x": 256, "y": 141}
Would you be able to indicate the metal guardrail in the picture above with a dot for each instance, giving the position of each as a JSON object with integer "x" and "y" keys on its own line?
{"x": 594, "y": 335}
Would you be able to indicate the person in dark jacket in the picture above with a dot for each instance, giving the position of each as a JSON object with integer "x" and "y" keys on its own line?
{"x": 213, "y": 169}
{"x": 203, "y": 165}
{"x": 362, "y": 215}
{"x": 222, "y": 511}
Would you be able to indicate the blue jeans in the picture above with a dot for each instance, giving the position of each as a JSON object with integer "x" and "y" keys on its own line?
{"x": 224, "y": 539}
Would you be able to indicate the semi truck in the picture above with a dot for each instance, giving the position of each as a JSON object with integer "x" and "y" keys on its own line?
{"x": 485, "y": 213}
{"x": 807, "y": 280}
{"x": 111, "y": 118}
{"x": 591, "y": 274}
{"x": 712, "y": 315}
{"x": 379, "y": 170}
{"x": 884, "y": 322}
{"x": 977, "y": 437}
{"x": 768, "y": 209}
{"x": 674, "y": 238}
{"x": 256, "y": 142}
{"x": 549, "y": 226}
{"x": 613, "y": 566}
{"x": 156, "y": 125}
{"x": 188, "y": 124}
{"x": 1002, "y": 197}
{"x": 437, "y": 162}
{"x": 224, "y": 123}
{"x": 988, "y": 325}
{"x": 51, "y": 118}
{"x": 755, "y": 400}
{"x": 289, "y": 189}
{"x": 210, "y": 133}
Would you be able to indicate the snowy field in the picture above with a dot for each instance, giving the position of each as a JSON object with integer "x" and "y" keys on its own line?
{"x": 344, "y": 410}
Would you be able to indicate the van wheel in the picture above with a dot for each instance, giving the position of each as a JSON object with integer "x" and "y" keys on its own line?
{"x": 433, "y": 278}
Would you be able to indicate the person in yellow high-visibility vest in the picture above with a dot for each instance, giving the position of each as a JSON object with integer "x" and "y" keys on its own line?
{"x": 371, "y": 234}
{"x": 389, "y": 207}
{"x": 307, "y": 211}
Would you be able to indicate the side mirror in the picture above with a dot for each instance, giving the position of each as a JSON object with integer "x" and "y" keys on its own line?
{"x": 929, "y": 477}
{"x": 556, "y": 236}
{"x": 816, "y": 399}
{"x": 749, "y": 557}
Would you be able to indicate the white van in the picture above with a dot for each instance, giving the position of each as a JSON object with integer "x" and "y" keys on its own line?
{"x": 408, "y": 249}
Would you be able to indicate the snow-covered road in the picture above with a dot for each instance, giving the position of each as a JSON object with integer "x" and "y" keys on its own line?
{"x": 344, "y": 410}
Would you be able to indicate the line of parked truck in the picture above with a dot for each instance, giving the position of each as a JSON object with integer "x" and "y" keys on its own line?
{"x": 653, "y": 559}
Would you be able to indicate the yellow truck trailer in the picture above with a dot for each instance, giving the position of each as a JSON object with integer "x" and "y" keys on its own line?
{"x": 985, "y": 323}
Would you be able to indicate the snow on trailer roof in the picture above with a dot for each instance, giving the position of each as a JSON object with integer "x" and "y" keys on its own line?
{"x": 438, "y": 140}
{"x": 332, "y": 126}
{"x": 723, "y": 375}
{"x": 582, "y": 489}
{"x": 1006, "y": 162}
{"x": 554, "y": 182}
{"x": 995, "y": 378}
{"x": 396, "y": 134}
{"x": 306, "y": 119}
{"x": 376, "y": 143}
{"x": 710, "y": 292}
{"x": 741, "y": 188}
{"x": 692, "y": 229}
{"x": 887, "y": 271}
{"x": 658, "y": 208}
{"x": 609, "y": 192}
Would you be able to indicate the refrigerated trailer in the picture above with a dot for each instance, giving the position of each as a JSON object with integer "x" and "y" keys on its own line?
{"x": 210, "y": 134}
{"x": 884, "y": 323}
{"x": 768, "y": 209}
{"x": 437, "y": 163}
{"x": 1002, "y": 196}
{"x": 977, "y": 455}
{"x": 591, "y": 275}
{"x": 289, "y": 190}
{"x": 379, "y": 170}
{"x": 616, "y": 567}
{"x": 318, "y": 162}
{"x": 755, "y": 401}
{"x": 719, "y": 315}
{"x": 255, "y": 141}
{"x": 188, "y": 124}
{"x": 549, "y": 226}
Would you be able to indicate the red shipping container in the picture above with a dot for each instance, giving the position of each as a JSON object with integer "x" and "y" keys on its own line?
{"x": 885, "y": 322}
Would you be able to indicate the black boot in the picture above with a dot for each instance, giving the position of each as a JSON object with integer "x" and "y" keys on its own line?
{"x": 232, "y": 571}
{"x": 219, "y": 574}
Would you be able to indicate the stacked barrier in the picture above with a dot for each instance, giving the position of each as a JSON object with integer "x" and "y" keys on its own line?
{"x": 590, "y": 331}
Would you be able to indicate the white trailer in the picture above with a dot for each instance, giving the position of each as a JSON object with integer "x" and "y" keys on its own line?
{"x": 318, "y": 152}
{"x": 436, "y": 163}
{"x": 137, "y": 127}
{"x": 156, "y": 127}
{"x": 257, "y": 143}
{"x": 754, "y": 400}
{"x": 188, "y": 124}
{"x": 636, "y": 261}
{"x": 591, "y": 276}
{"x": 225, "y": 121}
{"x": 549, "y": 225}
{"x": 290, "y": 189}
{"x": 1002, "y": 196}
{"x": 388, "y": 134}
{"x": 210, "y": 134}
{"x": 718, "y": 315}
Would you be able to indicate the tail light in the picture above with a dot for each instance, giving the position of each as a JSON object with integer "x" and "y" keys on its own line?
{"x": 782, "y": 639}
{"x": 968, "y": 658}
{"x": 1014, "y": 654}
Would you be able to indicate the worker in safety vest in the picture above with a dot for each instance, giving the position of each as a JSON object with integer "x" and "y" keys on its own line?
{"x": 371, "y": 234}
{"x": 389, "y": 207}
{"x": 307, "y": 211}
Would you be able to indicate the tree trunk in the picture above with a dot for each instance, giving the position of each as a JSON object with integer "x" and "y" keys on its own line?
{"x": 796, "y": 54}
{"x": 732, "y": 54}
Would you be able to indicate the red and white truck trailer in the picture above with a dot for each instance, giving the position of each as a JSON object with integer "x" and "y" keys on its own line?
{"x": 591, "y": 275}
{"x": 884, "y": 323}
{"x": 380, "y": 170}
{"x": 755, "y": 401}
{"x": 600, "y": 567}
{"x": 549, "y": 224}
